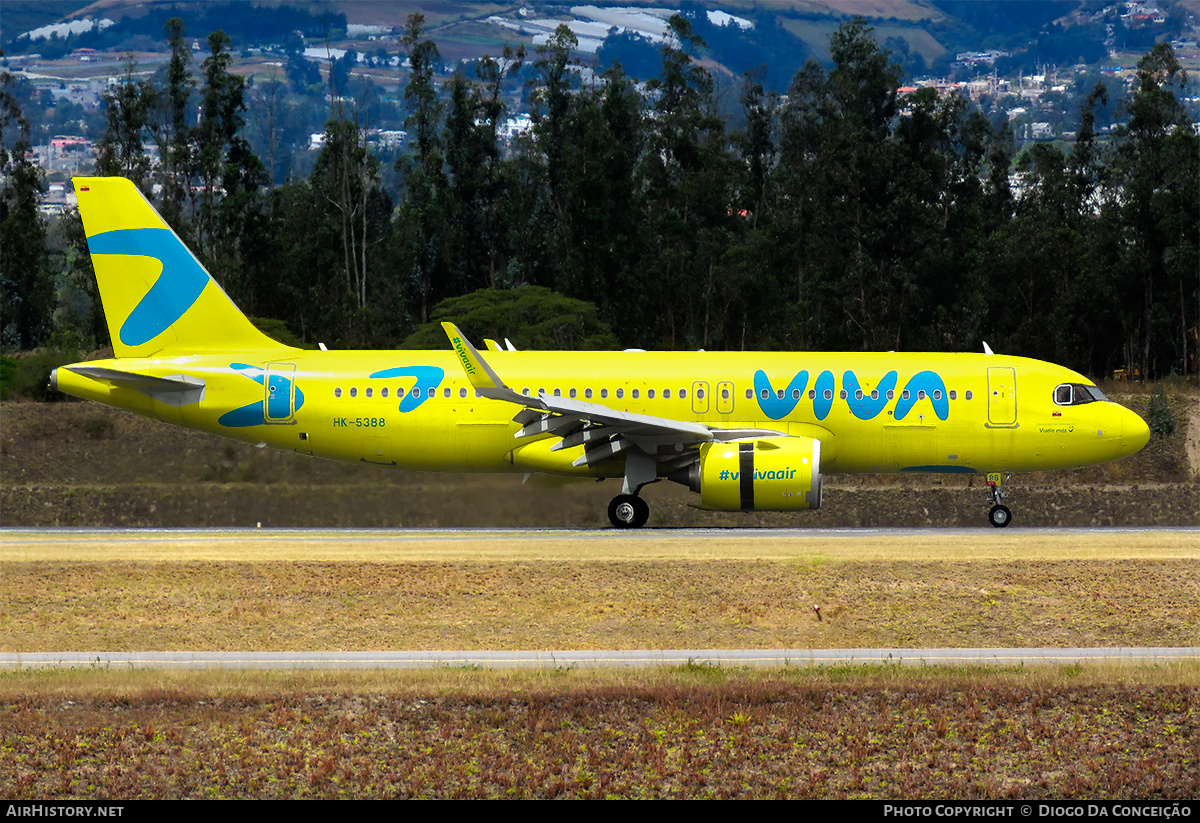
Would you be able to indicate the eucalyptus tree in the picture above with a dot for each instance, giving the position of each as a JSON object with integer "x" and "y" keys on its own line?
{"x": 345, "y": 181}
{"x": 26, "y": 282}
{"x": 689, "y": 176}
{"x": 127, "y": 104}
{"x": 595, "y": 206}
{"x": 228, "y": 173}
{"x": 171, "y": 127}
{"x": 1156, "y": 164}
{"x": 423, "y": 174}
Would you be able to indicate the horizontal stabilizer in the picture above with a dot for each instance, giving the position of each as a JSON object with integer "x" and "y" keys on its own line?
{"x": 176, "y": 390}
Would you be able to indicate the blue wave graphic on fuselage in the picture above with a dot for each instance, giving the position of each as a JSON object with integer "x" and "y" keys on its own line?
{"x": 871, "y": 403}
{"x": 252, "y": 414}
{"x": 774, "y": 406}
{"x": 926, "y": 385}
{"x": 428, "y": 379}
{"x": 934, "y": 389}
{"x": 176, "y": 290}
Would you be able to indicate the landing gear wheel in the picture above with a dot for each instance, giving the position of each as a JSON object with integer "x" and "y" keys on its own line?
{"x": 628, "y": 511}
{"x": 1000, "y": 516}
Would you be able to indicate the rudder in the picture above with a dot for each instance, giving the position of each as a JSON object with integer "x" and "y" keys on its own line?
{"x": 157, "y": 296}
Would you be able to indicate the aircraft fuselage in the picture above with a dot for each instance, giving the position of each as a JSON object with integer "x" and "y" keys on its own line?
{"x": 892, "y": 412}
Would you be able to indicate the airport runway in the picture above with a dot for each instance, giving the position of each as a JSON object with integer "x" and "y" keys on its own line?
{"x": 732, "y": 658}
{"x": 399, "y": 545}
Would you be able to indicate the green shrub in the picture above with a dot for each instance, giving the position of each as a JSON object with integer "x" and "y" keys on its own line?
{"x": 1162, "y": 421}
{"x": 31, "y": 377}
{"x": 534, "y": 317}
{"x": 8, "y": 373}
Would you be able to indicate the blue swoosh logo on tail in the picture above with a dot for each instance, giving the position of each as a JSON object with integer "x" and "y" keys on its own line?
{"x": 176, "y": 290}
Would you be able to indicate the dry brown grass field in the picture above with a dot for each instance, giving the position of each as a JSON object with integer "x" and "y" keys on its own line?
{"x": 516, "y": 590}
{"x": 691, "y": 732}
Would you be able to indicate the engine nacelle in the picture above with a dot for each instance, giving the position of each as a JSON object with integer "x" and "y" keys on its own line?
{"x": 768, "y": 474}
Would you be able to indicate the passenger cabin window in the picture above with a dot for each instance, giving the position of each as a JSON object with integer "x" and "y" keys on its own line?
{"x": 354, "y": 392}
{"x": 337, "y": 392}
{"x": 650, "y": 394}
{"x": 367, "y": 392}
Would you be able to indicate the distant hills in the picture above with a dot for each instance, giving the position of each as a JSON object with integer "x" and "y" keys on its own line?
{"x": 924, "y": 36}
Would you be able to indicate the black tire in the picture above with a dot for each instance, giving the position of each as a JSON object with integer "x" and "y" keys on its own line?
{"x": 1000, "y": 516}
{"x": 628, "y": 511}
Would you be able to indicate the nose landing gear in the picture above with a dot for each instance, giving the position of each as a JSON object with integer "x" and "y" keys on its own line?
{"x": 999, "y": 515}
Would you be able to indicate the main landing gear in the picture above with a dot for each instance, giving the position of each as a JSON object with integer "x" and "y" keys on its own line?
{"x": 628, "y": 511}
{"x": 999, "y": 515}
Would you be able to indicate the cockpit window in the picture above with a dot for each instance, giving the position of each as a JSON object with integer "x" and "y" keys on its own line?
{"x": 1076, "y": 394}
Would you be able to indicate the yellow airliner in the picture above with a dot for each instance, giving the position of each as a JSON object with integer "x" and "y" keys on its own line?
{"x": 746, "y": 430}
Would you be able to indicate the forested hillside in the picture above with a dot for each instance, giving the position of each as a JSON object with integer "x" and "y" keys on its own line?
{"x": 840, "y": 215}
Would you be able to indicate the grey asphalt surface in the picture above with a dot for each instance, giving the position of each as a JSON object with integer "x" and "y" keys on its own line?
{"x": 732, "y": 658}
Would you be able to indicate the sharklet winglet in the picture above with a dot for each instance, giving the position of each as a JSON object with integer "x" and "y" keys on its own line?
{"x": 479, "y": 373}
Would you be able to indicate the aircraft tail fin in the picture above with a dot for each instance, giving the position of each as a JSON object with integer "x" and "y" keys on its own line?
{"x": 157, "y": 296}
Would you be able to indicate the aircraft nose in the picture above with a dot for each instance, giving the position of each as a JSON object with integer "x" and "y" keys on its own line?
{"x": 1135, "y": 434}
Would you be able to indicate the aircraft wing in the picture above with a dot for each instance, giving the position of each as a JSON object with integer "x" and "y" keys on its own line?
{"x": 603, "y": 431}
